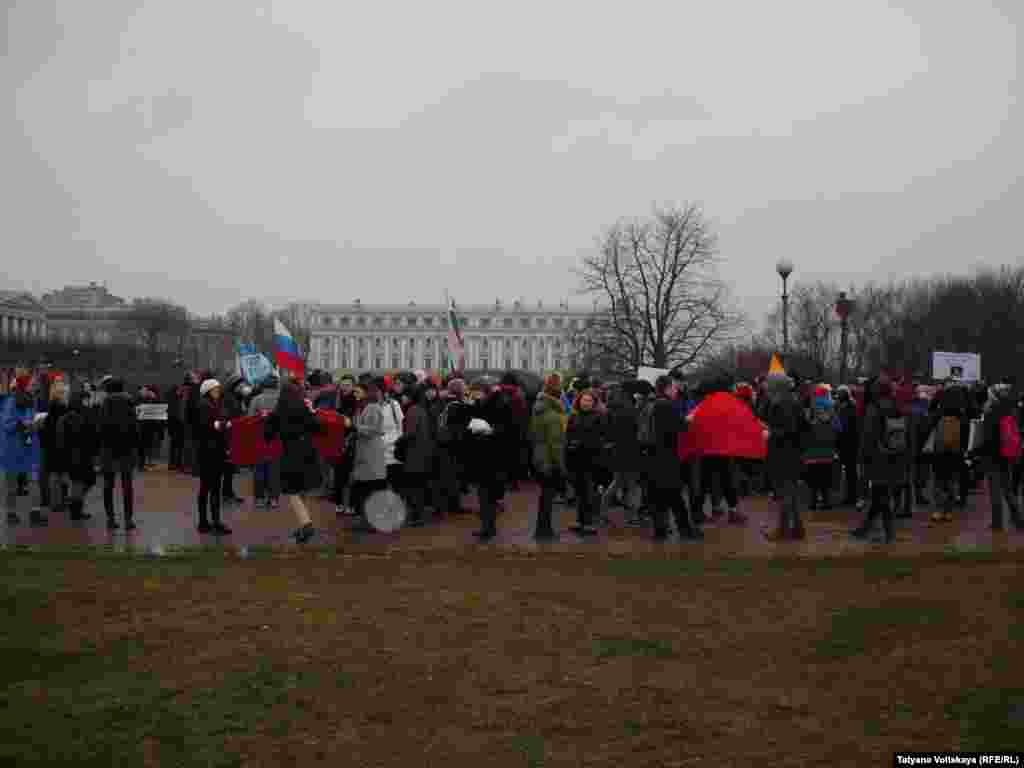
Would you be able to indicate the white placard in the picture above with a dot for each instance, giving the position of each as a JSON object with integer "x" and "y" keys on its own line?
{"x": 151, "y": 412}
{"x": 650, "y": 375}
{"x": 947, "y": 365}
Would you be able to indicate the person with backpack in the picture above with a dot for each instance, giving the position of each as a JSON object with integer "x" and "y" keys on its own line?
{"x": 119, "y": 447}
{"x": 78, "y": 441}
{"x": 951, "y": 429}
{"x": 819, "y": 449}
{"x": 1000, "y": 451}
{"x": 887, "y": 451}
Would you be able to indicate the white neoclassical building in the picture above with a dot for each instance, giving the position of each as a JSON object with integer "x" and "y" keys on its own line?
{"x": 382, "y": 337}
{"x": 22, "y": 317}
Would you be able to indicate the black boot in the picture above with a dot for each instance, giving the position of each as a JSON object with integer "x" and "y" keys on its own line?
{"x": 78, "y": 513}
{"x": 887, "y": 525}
{"x": 864, "y": 530}
{"x": 218, "y": 526}
{"x": 204, "y": 523}
{"x": 684, "y": 524}
{"x": 129, "y": 513}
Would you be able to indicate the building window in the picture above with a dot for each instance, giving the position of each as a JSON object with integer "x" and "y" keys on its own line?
{"x": 362, "y": 343}
{"x": 428, "y": 322}
{"x": 508, "y": 322}
{"x": 395, "y": 362}
{"x": 558, "y": 322}
{"x": 412, "y": 363}
{"x": 396, "y": 322}
{"x": 378, "y": 363}
{"x": 558, "y": 363}
{"x": 378, "y": 342}
{"x": 485, "y": 322}
{"x": 484, "y": 363}
{"x": 378, "y": 322}
{"x": 428, "y": 363}
{"x": 395, "y": 341}
{"x": 343, "y": 322}
{"x": 524, "y": 322}
{"x": 326, "y": 321}
{"x": 344, "y": 360}
{"x": 412, "y": 342}
{"x": 361, "y": 322}
{"x": 411, "y": 322}
{"x": 325, "y": 360}
{"x": 508, "y": 363}
{"x": 542, "y": 322}
{"x": 362, "y": 362}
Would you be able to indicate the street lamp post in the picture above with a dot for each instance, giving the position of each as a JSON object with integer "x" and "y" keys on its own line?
{"x": 843, "y": 308}
{"x": 785, "y": 269}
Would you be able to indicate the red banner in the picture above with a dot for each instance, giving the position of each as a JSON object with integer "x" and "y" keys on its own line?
{"x": 332, "y": 443}
{"x": 723, "y": 425}
{"x": 247, "y": 446}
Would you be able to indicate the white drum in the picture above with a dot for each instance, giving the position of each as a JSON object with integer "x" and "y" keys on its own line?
{"x": 385, "y": 511}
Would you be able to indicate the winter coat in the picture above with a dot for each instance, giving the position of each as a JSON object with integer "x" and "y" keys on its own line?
{"x": 119, "y": 433}
{"x": 174, "y": 409}
{"x": 211, "y": 443}
{"x": 881, "y": 468}
{"x": 392, "y": 419}
{"x": 623, "y": 433}
{"x": 848, "y": 439}
{"x": 991, "y": 439}
{"x": 19, "y": 447}
{"x": 664, "y": 470}
{"x": 584, "y": 441}
{"x": 50, "y": 456}
{"x": 300, "y": 462}
{"x": 486, "y": 457}
{"x": 371, "y": 454}
{"x": 233, "y": 404}
{"x": 546, "y": 436}
{"x": 422, "y": 437}
{"x": 78, "y": 442}
{"x": 819, "y": 442}
{"x": 786, "y": 427}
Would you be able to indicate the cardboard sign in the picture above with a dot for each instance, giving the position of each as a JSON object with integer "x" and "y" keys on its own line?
{"x": 965, "y": 366}
{"x": 151, "y": 412}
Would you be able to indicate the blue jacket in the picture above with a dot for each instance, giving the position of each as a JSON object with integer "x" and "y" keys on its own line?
{"x": 15, "y": 454}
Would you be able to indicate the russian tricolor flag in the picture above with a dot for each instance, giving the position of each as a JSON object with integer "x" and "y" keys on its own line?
{"x": 289, "y": 358}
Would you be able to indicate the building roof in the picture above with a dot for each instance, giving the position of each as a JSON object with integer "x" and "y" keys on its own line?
{"x": 21, "y": 300}
{"x": 412, "y": 308}
{"x": 84, "y": 296}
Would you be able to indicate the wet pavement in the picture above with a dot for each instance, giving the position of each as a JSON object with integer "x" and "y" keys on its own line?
{"x": 165, "y": 504}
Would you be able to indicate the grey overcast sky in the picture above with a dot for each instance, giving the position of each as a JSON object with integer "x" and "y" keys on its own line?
{"x": 213, "y": 151}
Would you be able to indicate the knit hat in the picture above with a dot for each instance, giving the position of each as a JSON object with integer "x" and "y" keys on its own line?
{"x": 207, "y": 386}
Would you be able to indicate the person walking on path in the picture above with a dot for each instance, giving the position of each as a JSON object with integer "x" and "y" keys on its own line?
{"x": 295, "y": 422}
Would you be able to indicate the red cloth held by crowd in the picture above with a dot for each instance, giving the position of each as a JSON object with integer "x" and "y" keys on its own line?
{"x": 331, "y": 444}
{"x": 247, "y": 446}
{"x": 723, "y": 425}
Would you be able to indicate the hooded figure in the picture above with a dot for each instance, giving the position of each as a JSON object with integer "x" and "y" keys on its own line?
{"x": 78, "y": 441}
{"x": 786, "y": 426}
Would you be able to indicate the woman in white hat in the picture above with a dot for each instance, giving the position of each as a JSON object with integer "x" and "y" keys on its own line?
{"x": 212, "y": 449}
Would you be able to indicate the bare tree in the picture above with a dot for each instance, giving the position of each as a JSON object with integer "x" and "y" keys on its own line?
{"x": 153, "y": 321}
{"x": 252, "y": 323}
{"x": 660, "y": 302}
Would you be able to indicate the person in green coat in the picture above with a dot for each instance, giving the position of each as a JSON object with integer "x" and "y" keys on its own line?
{"x": 546, "y": 431}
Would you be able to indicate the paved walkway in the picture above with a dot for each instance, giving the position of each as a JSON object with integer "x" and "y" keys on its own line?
{"x": 165, "y": 504}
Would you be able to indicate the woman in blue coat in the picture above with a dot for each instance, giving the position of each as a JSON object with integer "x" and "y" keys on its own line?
{"x": 19, "y": 448}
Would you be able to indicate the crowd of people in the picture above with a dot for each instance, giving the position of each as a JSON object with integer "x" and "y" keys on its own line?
{"x": 881, "y": 444}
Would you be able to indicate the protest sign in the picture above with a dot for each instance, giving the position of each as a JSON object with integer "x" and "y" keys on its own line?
{"x": 965, "y": 366}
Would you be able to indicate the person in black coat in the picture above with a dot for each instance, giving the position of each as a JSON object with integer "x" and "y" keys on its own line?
{"x": 627, "y": 462}
{"x": 52, "y": 469}
{"x": 485, "y": 455}
{"x": 210, "y": 434}
{"x": 119, "y": 447}
{"x": 849, "y": 442}
{"x": 1000, "y": 469}
{"x": 453, "y": 422}
{"x": 664, "y": 469}
{"x": 345, "y": 405}
{"x": 77, "y": 440}
{"x": 584, "y": 444}
{"x": 295, "y": 423}
{"x": 175, "y": 427}
{"x": 191, "y": 414}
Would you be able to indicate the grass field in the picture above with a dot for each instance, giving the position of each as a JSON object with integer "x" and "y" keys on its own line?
{"x": 507, "y": 659}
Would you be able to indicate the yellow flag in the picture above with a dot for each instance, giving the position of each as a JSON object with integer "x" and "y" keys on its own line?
{"x": 776, "y": 365}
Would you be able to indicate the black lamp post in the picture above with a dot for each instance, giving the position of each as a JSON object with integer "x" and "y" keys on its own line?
{"x": 785, "y": 269}
{"x": 843, "y": 308}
